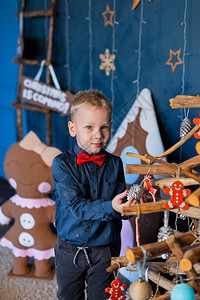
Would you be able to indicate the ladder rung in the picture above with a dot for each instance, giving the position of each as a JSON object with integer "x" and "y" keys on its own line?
{"x": 36, "y": 13}
{"x": 30, "y": 62}
{"x": 31, "y": 107}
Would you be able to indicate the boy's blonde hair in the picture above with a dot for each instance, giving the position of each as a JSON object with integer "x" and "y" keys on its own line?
{"x": 88, "y": 99}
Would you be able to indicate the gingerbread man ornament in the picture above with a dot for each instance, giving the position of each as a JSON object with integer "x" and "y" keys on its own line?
{"x": 116, "y": 290}
{"x": 177, "y": 193}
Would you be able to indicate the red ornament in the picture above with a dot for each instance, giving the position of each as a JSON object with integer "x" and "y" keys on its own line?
{"x": 116, "y": 290}
{"x": 177, "y": 193}
{"x": 196, "y": 121}
{"x": 151, "y": 189}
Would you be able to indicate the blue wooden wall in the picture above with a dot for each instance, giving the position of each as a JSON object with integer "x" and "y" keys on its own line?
{"x": 141, "y": 39}
{"x": 8, "y": 76}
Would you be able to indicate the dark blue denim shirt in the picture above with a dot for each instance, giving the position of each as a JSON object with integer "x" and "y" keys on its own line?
{"x": 83, "y": 195}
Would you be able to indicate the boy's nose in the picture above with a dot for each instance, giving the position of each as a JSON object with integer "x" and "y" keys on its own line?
{"x": 98, "y": 134}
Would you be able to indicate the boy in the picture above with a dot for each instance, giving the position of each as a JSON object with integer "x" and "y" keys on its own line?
{"x": 89, "y": 187}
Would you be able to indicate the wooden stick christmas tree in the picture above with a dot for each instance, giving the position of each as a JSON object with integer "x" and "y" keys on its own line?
{"x": 183, "y": 248}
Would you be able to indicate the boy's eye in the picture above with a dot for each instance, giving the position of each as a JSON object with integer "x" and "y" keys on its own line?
{"x": 89, "y": 127}
{"x": 105, "y": 127}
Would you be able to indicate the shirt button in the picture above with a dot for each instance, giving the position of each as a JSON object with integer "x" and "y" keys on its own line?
{"x": 93, "y": 172}
{"x": 88, "y": 227}
{"x": 65, "y": 194}
{"x": 94, "y": 191}
{"x": 109, "y": 183}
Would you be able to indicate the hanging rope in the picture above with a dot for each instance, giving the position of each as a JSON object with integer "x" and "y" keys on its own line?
{"x": 139, "y": 48}
{"x": 90, "y": 42}
{"x": 113, "y": 52}
{"x": 139, "y": 267}
{"x": 186, "y": 124}
{"x": 67, "y": 45}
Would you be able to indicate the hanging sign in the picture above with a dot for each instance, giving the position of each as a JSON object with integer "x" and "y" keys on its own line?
{"x": 45, "y": 95}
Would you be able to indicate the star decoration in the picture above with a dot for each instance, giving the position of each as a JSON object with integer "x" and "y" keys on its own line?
{"x": 179, "y": 62}
{"x": 135, "y": 3}
{"x": 107, "y": 62}
{"x": 110, "y": 20}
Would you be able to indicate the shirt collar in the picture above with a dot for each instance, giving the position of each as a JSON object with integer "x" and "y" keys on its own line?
{"x": 78, "y": 149}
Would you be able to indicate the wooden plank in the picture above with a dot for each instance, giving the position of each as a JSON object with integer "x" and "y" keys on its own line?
{"x": 144, "y": 208}
{"x": 160, "y": 280}
{"x": 182, "y": 101}
{"x": 30, "y": 107}
{"x": 36, "y": 13}
{"x": 158, "y": 206}
{"x": 195, "y": 197}
{"x": 154, "y": 249}
{"x": 144, "y": 168}
{"x": 192, "y": 212}
{"x": 30, "y": 62}
{"x": 179, "y": 143}
{"x": 167, "y": 182}
{"x": 190, "y": 257}
{"x": 173, "y": 166}
{"x": 176, "y": 249}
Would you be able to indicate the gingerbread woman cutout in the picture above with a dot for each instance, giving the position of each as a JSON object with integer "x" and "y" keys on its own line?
{"x": 177, "y": 193}
{"x": 27, "y": 166}
{"x": 116, "y": 290}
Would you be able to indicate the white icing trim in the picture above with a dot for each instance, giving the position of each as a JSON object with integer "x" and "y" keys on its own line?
{"x": 32, "y": 202}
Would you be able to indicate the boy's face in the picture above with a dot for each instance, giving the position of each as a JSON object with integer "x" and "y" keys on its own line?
{"x": 92, "y": 127}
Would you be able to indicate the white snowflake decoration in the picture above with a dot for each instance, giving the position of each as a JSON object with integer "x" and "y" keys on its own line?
{"x": 107, "y": 62}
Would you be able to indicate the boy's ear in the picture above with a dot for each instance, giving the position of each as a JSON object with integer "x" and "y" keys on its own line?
{"x": 71, "y": 127}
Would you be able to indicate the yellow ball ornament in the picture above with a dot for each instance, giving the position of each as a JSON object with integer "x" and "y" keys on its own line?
{"x": 140, "y": 290}
{"x": 198, "y": 147}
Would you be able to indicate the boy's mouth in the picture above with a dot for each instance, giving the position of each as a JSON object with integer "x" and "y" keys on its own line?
{"x": 97, "y": 144}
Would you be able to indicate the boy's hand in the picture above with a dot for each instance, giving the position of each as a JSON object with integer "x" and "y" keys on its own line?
{"x": 117, "y": 204}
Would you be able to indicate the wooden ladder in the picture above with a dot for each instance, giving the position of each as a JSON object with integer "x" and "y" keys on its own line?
{"x": 51, "y": 13}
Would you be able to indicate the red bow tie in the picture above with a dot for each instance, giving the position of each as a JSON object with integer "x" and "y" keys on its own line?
{"x": 84, "y": 157}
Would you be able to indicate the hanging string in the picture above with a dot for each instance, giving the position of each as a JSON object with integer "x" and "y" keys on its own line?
{"x": 184, "y": 53}
{"x": 141, "y": 269}
{"x": 113, "y": 52}
{"x": 46, "y": 27}
{"x": 187, "y": 279}
{"x": 176, "y": 221}
{"x": 67, "y": 45}
{"x": 157, "y": 286}
{"x": 139, "y": 48}
{"x": 197, "y": 236}
{"x": 186, "y": 124}
{"x": 67, "y": 54}
{"x": 90, "y": 41}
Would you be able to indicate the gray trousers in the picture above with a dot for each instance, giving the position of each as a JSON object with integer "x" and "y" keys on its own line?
{"x": 79, "y": 268}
